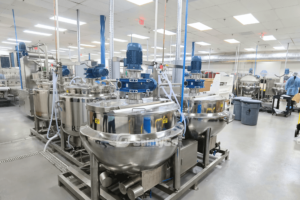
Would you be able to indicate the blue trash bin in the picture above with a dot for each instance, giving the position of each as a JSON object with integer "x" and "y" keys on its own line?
{"x": 250, "y": 111}
{"x": 237, "y": 110}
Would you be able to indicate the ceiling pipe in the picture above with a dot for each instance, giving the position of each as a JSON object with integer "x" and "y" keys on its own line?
{"x": 78, "y": 34}
{"x": 155, "y": 33}
{"x": 177, "y": 73}
{"x": 102, "y": 31}
{"x": 17, "y": 48}
{"x": 111, "y": 37}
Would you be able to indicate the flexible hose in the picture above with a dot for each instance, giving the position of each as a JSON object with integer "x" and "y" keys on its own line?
{"x": 54, "y": 79}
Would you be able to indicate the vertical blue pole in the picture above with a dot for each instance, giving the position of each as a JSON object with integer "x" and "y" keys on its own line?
{"x": 18, "y": 56}
{"x": 255, "y": 60}
{"x": 89, "y": 56}
{"x": 193, "y": 49}
{"x": 102, "y": 32}
{"x": 184, "y": 57}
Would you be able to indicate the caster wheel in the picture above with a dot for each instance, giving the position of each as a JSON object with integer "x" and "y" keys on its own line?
{"x": 296, "y": 133}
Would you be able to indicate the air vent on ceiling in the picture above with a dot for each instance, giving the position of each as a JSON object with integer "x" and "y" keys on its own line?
{"x": 263, "y": 45}
{"x": 71, "y": 31}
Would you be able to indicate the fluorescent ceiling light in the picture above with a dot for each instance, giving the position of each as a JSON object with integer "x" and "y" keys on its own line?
{"x": 66, "y": 49}
{"x": 119, "y": 40}
{"x": 203, "y": 51}
{"x": 9, "y": 43}
{"x": 169, "y": 54}
{"x": 249, "y": 49}
{"x": 246, "y": 19}
{"x": 124, "y": 50}
{"x": 199, "y": 26}
{"x": 87, "y": 45}
{"x": 268, "y": 37}
{"x": 59, "y": 50}
{"x": 49, "y": 27}
{"x": 140, "y": 2}
{"x": 279, "y": 48}
{"x": 157, "y": 47}
{"x": 66, "y": 20}
{"x": 144, "y": 49}
{"x": 5, "y": 48}
{"x": 167, "y": 32}
{"x": 116, "y": 52}
{"x": 154, "y": 55}
{"x": 96, "y": 42}
{"x": 37, "y": 33}
{"x": 203, "y": 43}
{"x": 75, "y": 47}
{"x": 186, "y": 53}
{"x": 94, "y": 54}
{"x": 138, "y": 36}
{"x": 174, "y": 45}
{"x": 11, "y": 39}
{"x": 231, "y": 41}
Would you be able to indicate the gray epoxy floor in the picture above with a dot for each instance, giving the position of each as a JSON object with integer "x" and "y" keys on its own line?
{"x": 264, "y": 163}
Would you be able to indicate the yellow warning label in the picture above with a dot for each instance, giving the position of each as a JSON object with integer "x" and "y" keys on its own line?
{"x": 97, "y": 121}
{"x": 67, "y": 91}
{"x": 165, "y": 120}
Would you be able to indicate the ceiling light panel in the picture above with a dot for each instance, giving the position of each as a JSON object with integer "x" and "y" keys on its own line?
{"x": 246, "y": 19}
{"x": 66, "y": 20}
{"x": 203, "y": 51}
{"x": 26, "y": 41}
{"x": 249, "y": 49}
{"x": 96, "y": 42}
{"x": 200, "y": 26}
{"x": 140, "y": 2}
{"x": 203, "y": 43}
{"x": 87, "y": 45}
{"x": 75, "y": 47}
{"x": 279, "y": 48}
{"x": 174, "y": 45}
{"x": 49, "y": 27}
{"x": 232, "y": 41}
{"x": 37, "y": 33}
{"x": 157, "y": 47}
{"x": 119, "y": 40}
{"x": 167, "y": 32}
{"x": 268, "y": 37}
{"x": 138, "y": 36}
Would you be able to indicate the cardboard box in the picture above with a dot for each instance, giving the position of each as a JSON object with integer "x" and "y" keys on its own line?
{"x": 207, "y": 84}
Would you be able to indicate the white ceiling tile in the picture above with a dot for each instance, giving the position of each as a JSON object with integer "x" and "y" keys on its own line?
{"x": 283, "y": 3}
{"x": 234, "y": 8}
{"x": 256, "y": 5}
{"x": 288, "y": 12}
{"x": 273, "y": 24}
{"x": 215, "y": 12}
{"x": 264, "y": 16}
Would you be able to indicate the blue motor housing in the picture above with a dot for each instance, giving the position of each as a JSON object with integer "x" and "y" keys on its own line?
{"x": 287, "y": 71}
{"x": 193, "y": 83}
{"x": 96, "y": 72}
{"x": 134, "y": 56}
{"x": 137, "y": 85}
{"x": 22, "y": 49}
{"x": 65, "y": 71}
{"x": 196, "y": 65}
{"x": 250, "y": 71}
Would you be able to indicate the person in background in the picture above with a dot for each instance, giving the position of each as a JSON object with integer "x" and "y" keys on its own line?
{"x": 292, "y": 86}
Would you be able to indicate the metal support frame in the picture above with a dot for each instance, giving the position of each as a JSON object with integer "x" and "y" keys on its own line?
{"x": 57, "y": 146}
{"x": 83, "y": 181}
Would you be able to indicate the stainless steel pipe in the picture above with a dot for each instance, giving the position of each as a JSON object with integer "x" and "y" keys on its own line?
{"x": 123, "y": 187}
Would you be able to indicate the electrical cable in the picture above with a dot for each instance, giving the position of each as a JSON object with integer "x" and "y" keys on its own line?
{"x": 163, "y": 56}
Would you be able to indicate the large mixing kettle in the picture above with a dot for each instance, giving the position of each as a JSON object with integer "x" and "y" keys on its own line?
{"x": 249, "y": 85}
{"x": 129, "y": 138}
{"x": 203, "y": 113}
{"x": 279, "y": 89}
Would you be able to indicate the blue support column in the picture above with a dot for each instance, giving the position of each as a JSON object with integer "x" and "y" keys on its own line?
{"x": 102, "y": 32}
{"x": 193, "y": 49}
{"x": 184, "y": 57}
{"x": 89, "y": 56}
{"x": 18, "y": 55}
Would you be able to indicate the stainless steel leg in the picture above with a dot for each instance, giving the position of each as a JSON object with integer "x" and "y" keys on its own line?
{"x": 63, "y": 140}
{"x": 177, "y": 160}
{"x": 36, "y": 123}
{"x": 95, "y": 184}
{"x": 206, "y": 148}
